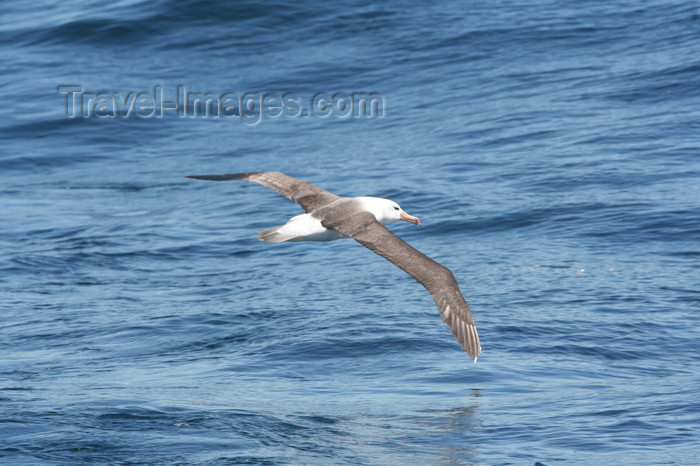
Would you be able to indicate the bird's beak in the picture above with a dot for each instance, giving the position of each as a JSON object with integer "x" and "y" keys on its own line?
{"x": 409, "y": 218}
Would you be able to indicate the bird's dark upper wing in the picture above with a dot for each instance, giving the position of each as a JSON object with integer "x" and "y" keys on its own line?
{"x": 438, "y": 280}
{"x": 309, "y": 196}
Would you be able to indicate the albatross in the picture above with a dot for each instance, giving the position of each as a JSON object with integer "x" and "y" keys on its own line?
{"x": 329, "y": 217}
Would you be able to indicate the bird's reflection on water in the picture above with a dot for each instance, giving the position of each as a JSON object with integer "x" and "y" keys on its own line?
{"x": 450, "y": 439}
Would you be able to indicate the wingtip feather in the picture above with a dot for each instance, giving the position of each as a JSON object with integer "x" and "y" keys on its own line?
{"x": 224, "y": 177}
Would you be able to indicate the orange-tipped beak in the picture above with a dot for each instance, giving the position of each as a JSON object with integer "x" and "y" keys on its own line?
{"x": 409, "y": 218}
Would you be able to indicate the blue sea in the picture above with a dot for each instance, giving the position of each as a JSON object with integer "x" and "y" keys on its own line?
{"x": 551, "y": 150}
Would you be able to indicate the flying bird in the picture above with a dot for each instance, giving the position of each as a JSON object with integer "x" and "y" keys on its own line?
{"x": 329, "y": 217}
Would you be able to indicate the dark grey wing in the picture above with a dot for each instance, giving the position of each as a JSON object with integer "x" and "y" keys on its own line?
{"x": 307, "y": 195}
{"x": 438, "y": 280}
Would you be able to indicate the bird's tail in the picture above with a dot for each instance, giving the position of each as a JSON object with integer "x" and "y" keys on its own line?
{"x": 274, "y": 235}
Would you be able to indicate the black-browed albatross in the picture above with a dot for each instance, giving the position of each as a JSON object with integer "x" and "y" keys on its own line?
{"x": 330, "y": 217}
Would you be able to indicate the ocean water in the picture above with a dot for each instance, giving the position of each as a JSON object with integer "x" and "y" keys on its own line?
{"x": 551, "y": 150}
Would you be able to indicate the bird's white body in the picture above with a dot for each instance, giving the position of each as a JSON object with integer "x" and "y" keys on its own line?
{"x": 308, "y": 227}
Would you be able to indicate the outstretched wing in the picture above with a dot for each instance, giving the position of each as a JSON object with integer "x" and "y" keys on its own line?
{"x": 307, "y": 195}
{"x": 438, "y": 280}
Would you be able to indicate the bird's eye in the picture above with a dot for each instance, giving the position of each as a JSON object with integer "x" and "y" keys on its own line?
{"x": 396, "y": 208}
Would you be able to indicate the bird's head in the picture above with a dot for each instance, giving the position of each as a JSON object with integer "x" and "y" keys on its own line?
{"x": 387, "y": 211}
